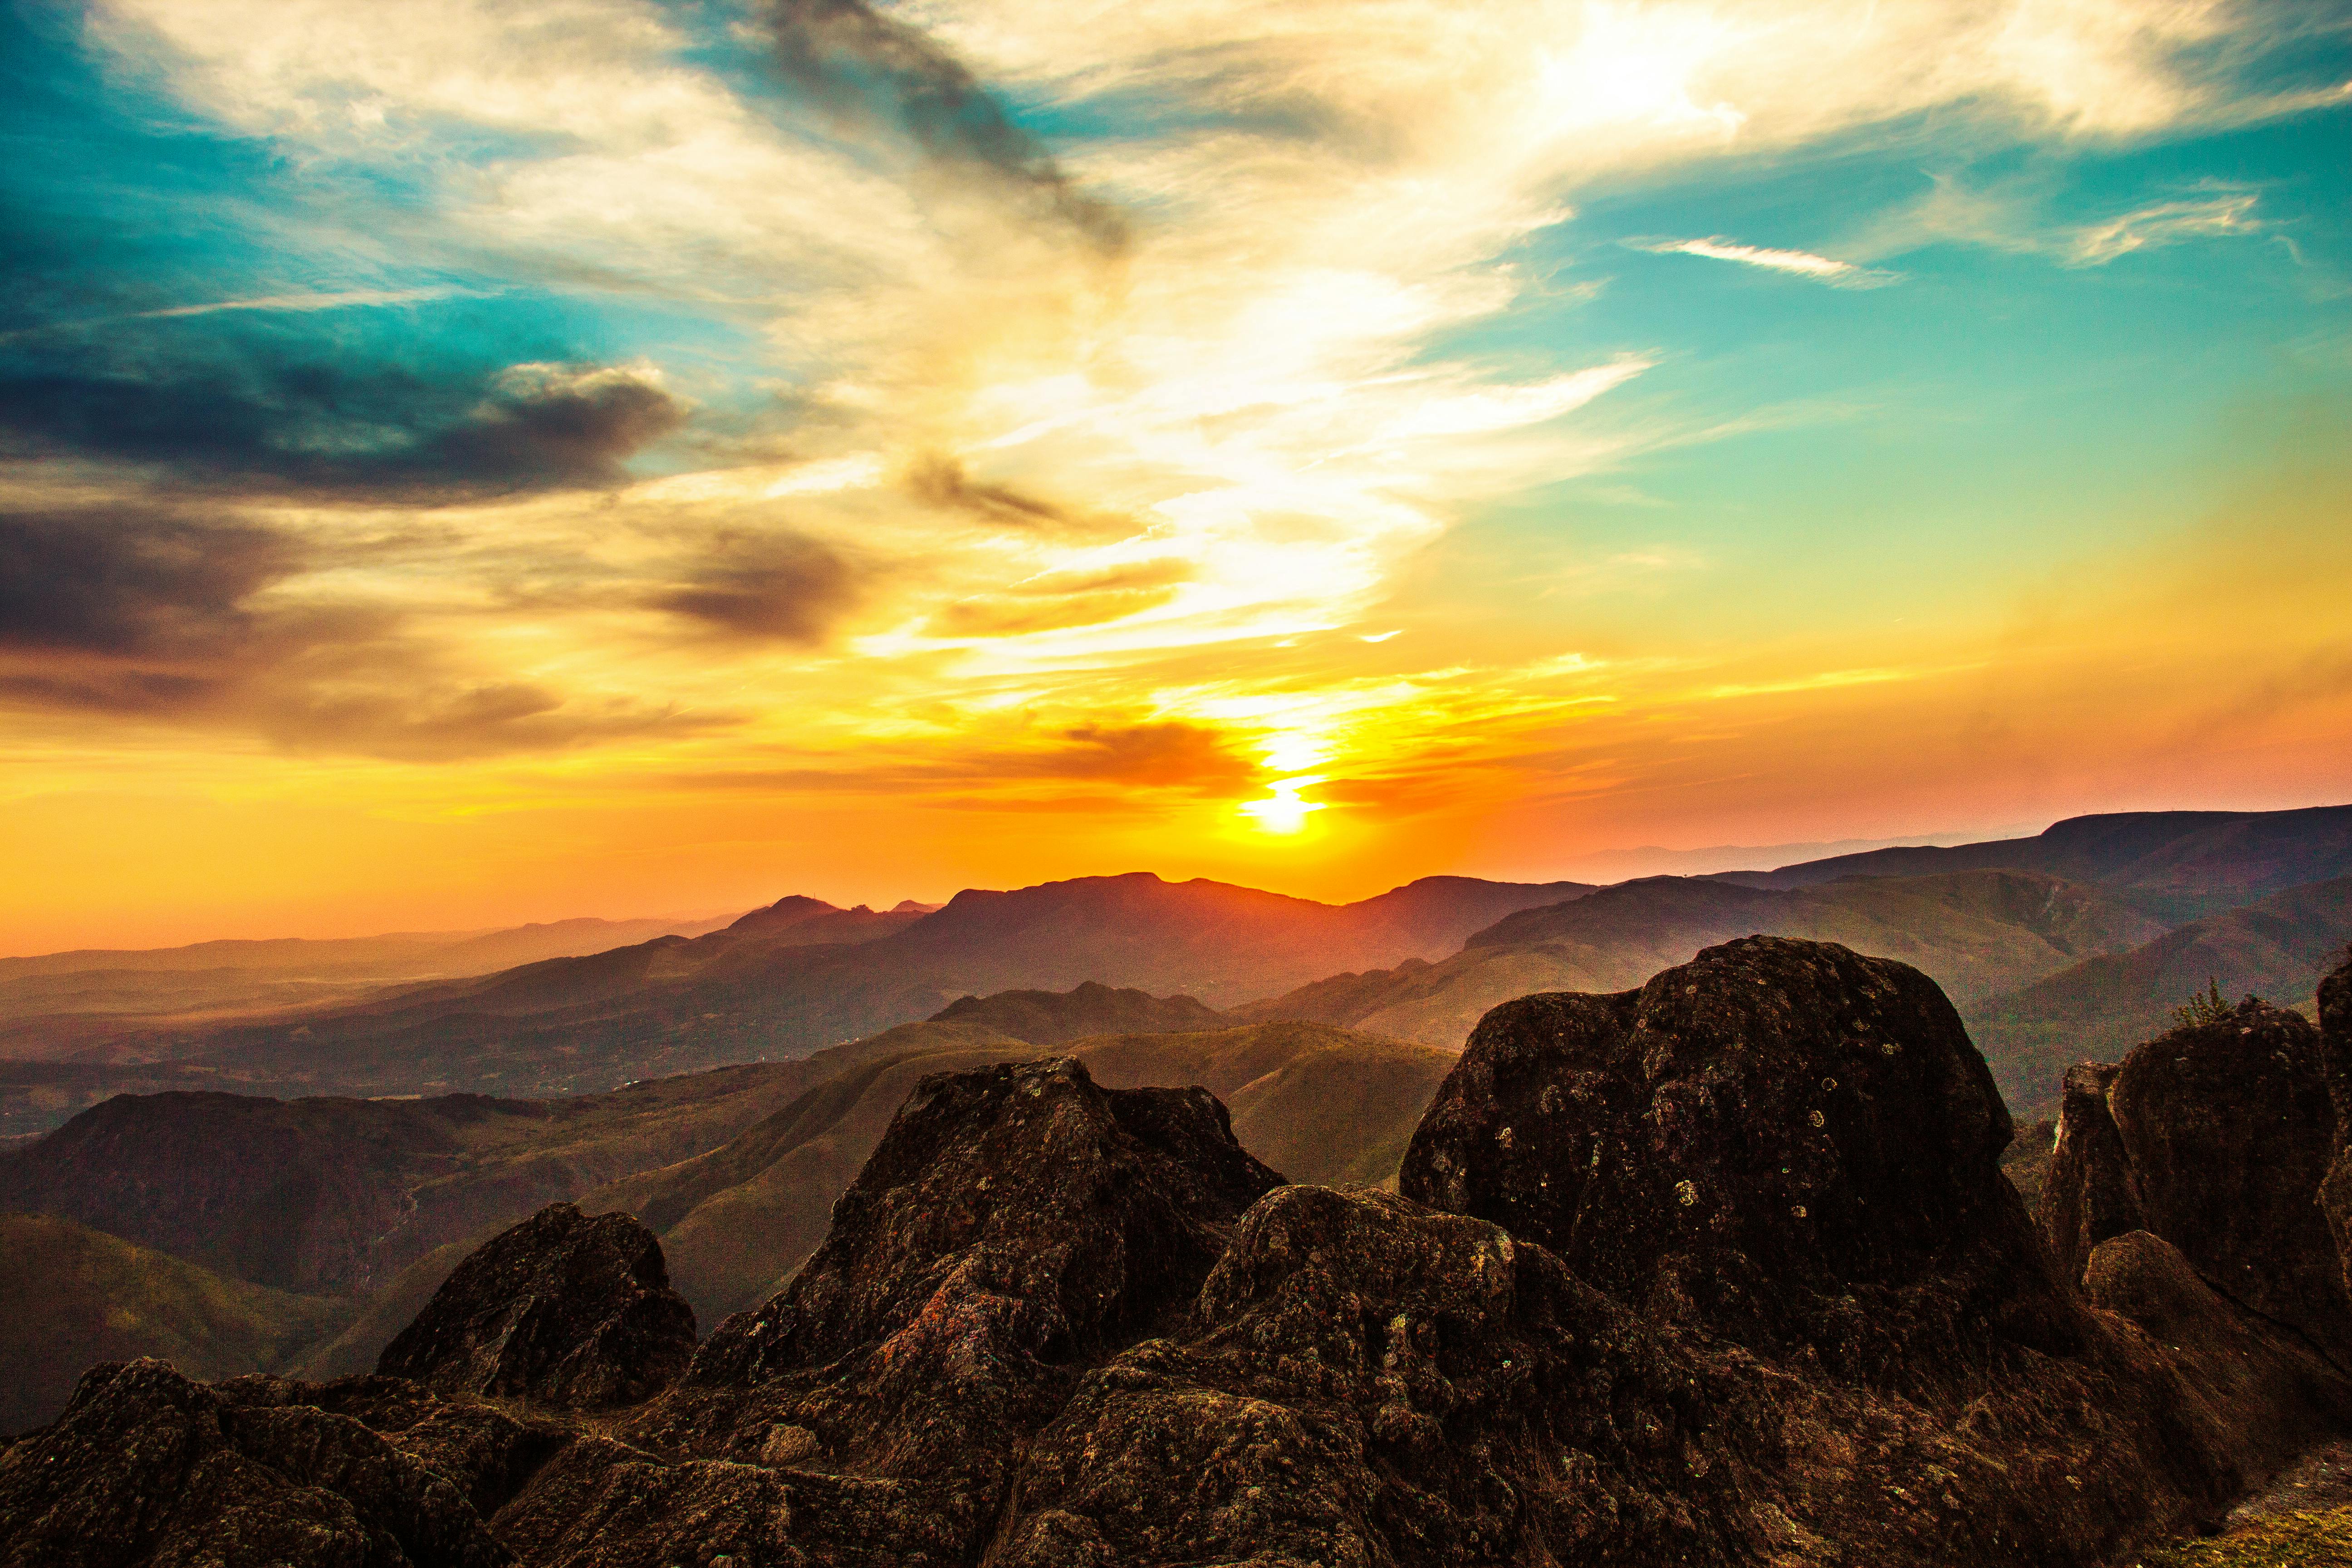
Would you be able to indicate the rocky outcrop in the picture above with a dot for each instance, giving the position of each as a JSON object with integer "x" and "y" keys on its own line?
{"x": 1781, "y": 1143}
{"x": 1014, "y": 1223}
{"x": 2335, "y": 1051}
{"x": 2217, "y": 1137}
{"x": 146, "y": 1467}
{"x": 2088, "y": 1195}
{"x": 1724, "y": 1269}
{"x": 561, "y": 1309}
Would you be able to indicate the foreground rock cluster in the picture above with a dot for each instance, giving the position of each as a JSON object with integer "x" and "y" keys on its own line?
{"x": 1720, "y": 1270}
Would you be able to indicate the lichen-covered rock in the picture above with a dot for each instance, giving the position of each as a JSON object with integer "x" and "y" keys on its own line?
{"x": 1014, "y": 1225}
{"x": 2087, "y": 1194}
{"x": 561, "y": 1309}
{"x": 1781, "y": 1141}
{"x": 2219, "y": 1138}
{"x": 2229, "y": 1130}
{"x": 2336, "y": 1053}
{"x": 146, "y": 1467}
{"x": 1369, "y": 1382}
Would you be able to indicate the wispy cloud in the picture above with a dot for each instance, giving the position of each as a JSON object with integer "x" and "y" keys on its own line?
{"x": 1803, "y": 263}
{"x": 2165, "y": 223}
{"x": 342, "y": 300}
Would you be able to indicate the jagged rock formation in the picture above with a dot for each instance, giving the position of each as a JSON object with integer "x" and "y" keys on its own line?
{"x": 2217, "y": 1137}
{"x": 561, "y": 1309}
{"x": 1015, "y": 1222}
{"x": 1720, "y": 1270}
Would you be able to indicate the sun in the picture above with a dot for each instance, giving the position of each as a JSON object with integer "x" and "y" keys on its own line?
{"x": 1283, "y": 812}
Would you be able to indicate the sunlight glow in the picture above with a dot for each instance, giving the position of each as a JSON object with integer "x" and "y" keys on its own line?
{"x": 1284, "y": 812}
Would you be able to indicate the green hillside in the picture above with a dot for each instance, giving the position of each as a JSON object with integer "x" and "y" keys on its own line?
{"x": 74, "y": 1297}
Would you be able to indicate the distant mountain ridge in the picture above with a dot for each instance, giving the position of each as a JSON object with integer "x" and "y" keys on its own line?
{"x": 2276, "y": 949}
{"x": 801, "y": 976}
{"x": 2175, "y": 865}
{"x": 1979, "y": 933}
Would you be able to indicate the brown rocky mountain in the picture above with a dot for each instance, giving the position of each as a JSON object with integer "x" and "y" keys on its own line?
{"x": 2220, "y": 1137}
{"x": 1323, "y": 1104}
{"x": 2173, "y": 865}
{"x": 1720, "y": 1270}
{"x": 561, "y": 1309}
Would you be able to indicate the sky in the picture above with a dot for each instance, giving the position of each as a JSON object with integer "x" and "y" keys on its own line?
{"x": 468, "y": 461}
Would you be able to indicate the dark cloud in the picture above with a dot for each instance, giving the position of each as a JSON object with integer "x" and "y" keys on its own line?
{"x": 785, "y": 587}
{"x": 151, "y": 611}
{"x": 941, "y": 481}
{"x": 134, "y": 581}
{"x": 865, "y": 66}
{"x": 1107, "y": 757}
{"x": 260, "y": 409}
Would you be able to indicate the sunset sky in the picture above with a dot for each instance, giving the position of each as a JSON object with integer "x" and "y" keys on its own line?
{"x": 467, "y": 462}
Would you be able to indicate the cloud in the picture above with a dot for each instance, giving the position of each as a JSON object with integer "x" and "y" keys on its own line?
{"x": 2163, "y": 223}
{"x": 2023, "y": 215}
{"x": 781, "y": 587}
{"x": 941, "y": 481}
{"x": 1163, "y": 755}
{"x": 134, "y": 581}
{"x": 874, "y": 68}
{"x": 1804, "y": 264}
{"x": 303, "y": 414}
{"x": 148, "y": 610}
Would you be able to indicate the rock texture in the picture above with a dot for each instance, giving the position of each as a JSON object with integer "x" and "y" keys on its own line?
{"x": 1015, "y": 1222}
{"x": 2088, "y": 1195}
{"x": 2336, "y": 1049}
{"x": 561, "y": 1309}
{"x": 2217, "y": 1137}
{"x": 146, "y": 1467}
{"x": 1781, "y": 1141}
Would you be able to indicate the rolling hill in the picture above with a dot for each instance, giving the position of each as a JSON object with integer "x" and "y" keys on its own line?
{"x": 335, "y": 1195}
{"x": 1977, "y": 933}
{"x": 755, "y": 991}
{"x": 1319, "y": 1104}
{"x": 2098, "y": 1009}
{"x": 118, "y": 1002}
{"x": 73, "y": 1297}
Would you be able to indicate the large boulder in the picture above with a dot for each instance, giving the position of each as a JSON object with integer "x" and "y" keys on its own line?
{"x": 146, "y": 1467}
{"x": 561, "y": 1309}
{"x": 2218, "y": 1137}
{"x": 1782, "y": 1142}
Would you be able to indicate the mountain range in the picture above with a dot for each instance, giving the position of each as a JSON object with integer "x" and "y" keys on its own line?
{"x": 725, "y": 1087}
